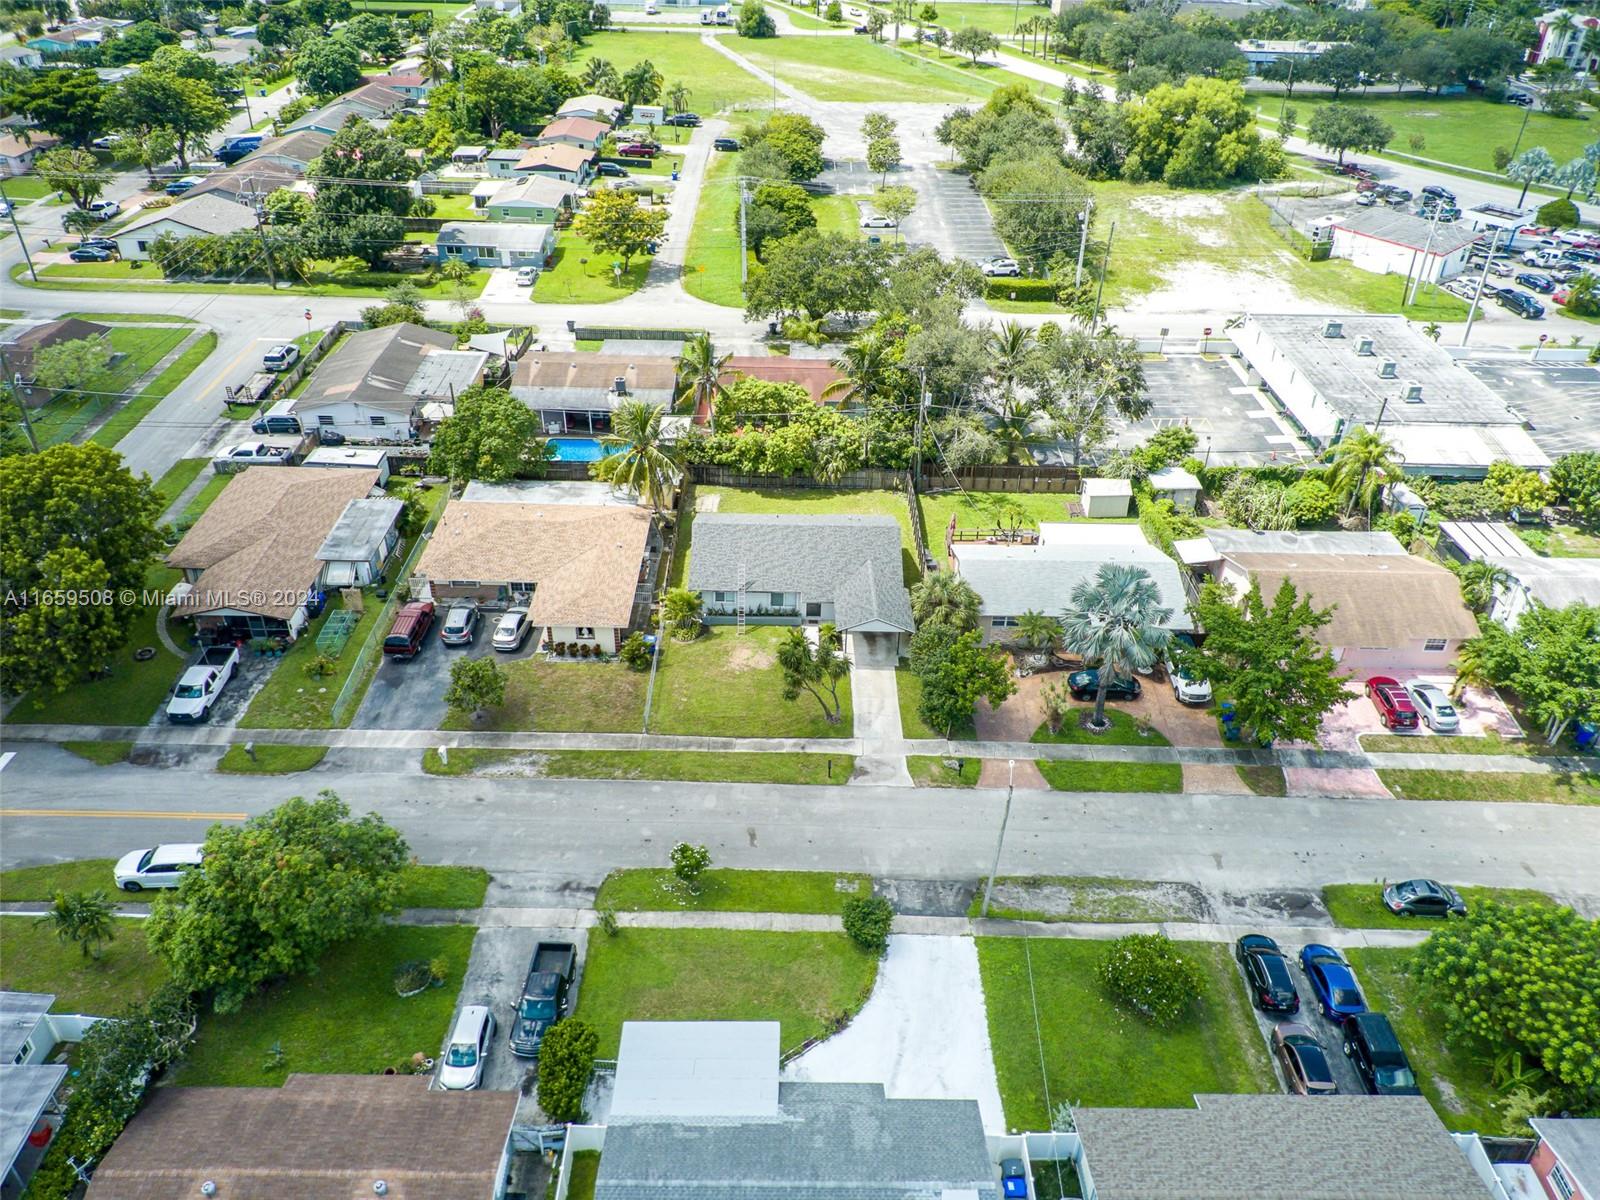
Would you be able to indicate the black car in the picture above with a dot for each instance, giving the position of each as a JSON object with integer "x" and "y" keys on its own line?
{"x": 613, "y": 170}
{"x": 90, "y": 254}
{"x": 1439, "y": 193}
{"x": 1085, "y": 685}
{"x": 1372, "y": 1048}
{"x": 725, "y": 144}
{"x": 1524, "y": 306}
{"x": 1537, "y": 283}
{"x": 1267, "y": 972}
{"x": 1519, "y": 98}
{"x": 684, "y": 120}
{"x": 1584, "y": 254}
{"x": 98, "y": 243}
{"x": 1423, "y": 898}
{"x": 329, "y": 437}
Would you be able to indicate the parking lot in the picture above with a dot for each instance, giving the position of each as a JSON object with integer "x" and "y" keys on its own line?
{"x": 950, "y": 215}
{"x": 410, "y": 695}
{"x": 1310, "y": 1015}
{"x": 1561, "y": 403}
{"x": 1236, "y": 425}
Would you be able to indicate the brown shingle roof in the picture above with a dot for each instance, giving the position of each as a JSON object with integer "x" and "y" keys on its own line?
{"x": 50, "y": 333}
{"x": 813, "y": 374}
{"x": 562, "y": 157}
{"x": 583, "y": 560}
{"x": 1381, "y": 600}
{"x": 257, "y": 544}
{"x": 319, "y": 1137}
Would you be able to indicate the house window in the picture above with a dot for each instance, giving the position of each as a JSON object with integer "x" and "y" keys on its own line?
{"x": 22, "y": 1055}
{"x": 463, "y": 583}
{"x": 813, "y": 608}
{"x": 584, "y": 631}
{"x": 521, "y": 585}
{"x": 1562, "y": 1185}
{"x": 777, "y": 599}
{"x": 1435, "y": 644}
{"x": 324, "y": 418}
{"x": 1004, "y": 622}
{"x": 143, "y": 246}
{"x": 378, "y": 419}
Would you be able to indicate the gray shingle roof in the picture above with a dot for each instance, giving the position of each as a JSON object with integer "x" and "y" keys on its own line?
{"x": 1577, "y": 1145}
{"x": 205, "y": 214}
{"x": 832, "y": 1141}
{"x": 493, "y": 233}
{"x": 374, "y": 367}
{"x": 851, "y": 560}
{"x": 1274, "y": 1147}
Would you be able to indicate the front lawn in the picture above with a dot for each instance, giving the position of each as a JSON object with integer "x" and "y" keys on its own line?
{"x": 929, "y": 770}
{"x": 578, "y": 274}
{"x": 121, "y": 422}
{"x": 178, "y": 477}
{"x": 565, "y": 697}
{"x": 1360, "y": 905}
{"x": 1542, "y": 787}
{"x": 1093, "y": 1052}
{"x": 291, "y": 699}
{"x": 724, "y": 684}
{"x": 908, "y": 688}
{"x": 647, "y": 889}
{"x": 37, "y": 961}
{"x": 442, "y": 887}
{"x": 268, "y": 759}
{"x": 346, "y": 1019}
{"x": 27, "y": 187}
{"x": 1080, "y": 776}
{"x": 1263, "y": 781}
{"x": 1489, "y": 743}
{"x": 703, "y": 766}
{"x": 810, "y": 983}
{"x": 43, "y": 882}
{"x": 987, "y": 510}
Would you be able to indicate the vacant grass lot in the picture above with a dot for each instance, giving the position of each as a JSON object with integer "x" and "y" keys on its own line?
{"x": 563, "y": 697}
{"x": 713, "y": 81}
{"x": 724, "y": 684}
{"x": 1107, "y": 776}
{"x": 703, "y": 766}
{"x": 646, "y": 889}
{"x": 987, "y": 510}
{"x": 577, "y": 274}
{"x": 928, "y": 770}
{"x": 1544, "y": 787}
{"x": 43, "y": 882}
{"x": 345, "y": 1019}
{"x": 37, "y": 961}
{"x": 1095, "y": 1053}
{"x": 808, "y": 982}
{"x": 135, "y": 351}
{"x": 1360, "y": 905}
{"x": 121, "y": 422}
{"x": 859, "y": 69}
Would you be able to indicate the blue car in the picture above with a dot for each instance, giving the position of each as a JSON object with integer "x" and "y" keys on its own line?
{"x": 1333, "y": 982}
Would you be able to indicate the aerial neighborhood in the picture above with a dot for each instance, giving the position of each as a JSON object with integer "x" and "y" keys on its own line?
{"x": 679, "y": 600}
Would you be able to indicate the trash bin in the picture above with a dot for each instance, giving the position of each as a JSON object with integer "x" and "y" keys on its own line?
{"x": 674, "y": 176}
{"x": 572, "y": 326}
{"x": 1585, "y": 734}
{"x": 1230, "y": 731}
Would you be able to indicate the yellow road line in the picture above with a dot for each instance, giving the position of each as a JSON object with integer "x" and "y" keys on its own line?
{"x": 124, "y": 814}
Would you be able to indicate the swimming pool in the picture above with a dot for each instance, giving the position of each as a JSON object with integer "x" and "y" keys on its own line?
{"x": 578, "y": 449}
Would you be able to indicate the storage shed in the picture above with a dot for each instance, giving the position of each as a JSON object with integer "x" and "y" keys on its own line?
{"x": 1106, "y": 497}
{"x": 1177, "y": 485}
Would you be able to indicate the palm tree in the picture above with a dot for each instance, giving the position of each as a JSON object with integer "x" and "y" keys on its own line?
{"x": 1010, "y": 350}
{"x": 679, "y": 95}
{"x": 1038, "y": 631}
{"x": 864, "y": 369}
{"x": 641, "y": 83}
{"x": 680, "y": 611}
{"x": 700, "y": 372}
{"x": 600, "y": 77}
{"x": 639, "y": 459}
{"x": 944, "y": 598}
{"x": 809, "y": 330}
{"x": 83, "y": 917}
{"x": 434, "y": 60}
{"x": 1479, "y": 582}
{"x": 1362, "y": 463}
{"x": 1116, "y": 622}
{"x": 1472, "y": 666}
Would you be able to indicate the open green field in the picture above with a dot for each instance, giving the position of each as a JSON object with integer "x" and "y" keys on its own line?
{"x": 714, "y": 82}
{"x": 702, "y": 766}
{"x": 724, "y": 684}
{"x": 1544, "y": 787}
{"x": 35, "y": 960}
{"x": 1360, "y": 905}
{"x": 647, "y": 889}
{"x": 860, "y": 69}
{"x": 987, "y": 510}
{"x": 996, "y": 18}
{"x": 1066, "y": 776}
{"x": 807, "y": 982}
{"x": 579, "y": 275}
{"x": 122, "y": 421}
{"x": 565, "y": 697}
{"x": 441, "y": 12}
{"x": 1093, "y": 1052}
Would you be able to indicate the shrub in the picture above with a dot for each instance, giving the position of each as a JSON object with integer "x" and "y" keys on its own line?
{"x": 566, "y": 1060}
{"x": 1558, "y": 214}
{"x": 635, "y": 652}
{"x": 689, "y": 862}
{"x": 412, "y": 977}
{"x": 1041, "y": 290}
{"x": 867, "y": 920}
{"x": 1312, "y": 502}
{"x": 1146, "y": 972}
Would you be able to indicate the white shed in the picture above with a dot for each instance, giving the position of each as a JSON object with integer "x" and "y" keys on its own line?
{"x": 1177, "y": 485}
{"x": 1106, "y": 497}
{"x": 368, "y": 458}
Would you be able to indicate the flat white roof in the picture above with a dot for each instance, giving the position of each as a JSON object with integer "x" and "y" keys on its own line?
{"x": 1174, "y": 479}
{"x": 346, "y": 456}
{"x": 1107, "y": 487}
{"x": 681, "y": 1070}
{"x": 1444, "y": 446}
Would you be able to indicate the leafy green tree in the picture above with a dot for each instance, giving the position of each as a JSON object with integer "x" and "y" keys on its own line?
{"x": 1518, "y": 487}
{"x": 600, "y": 77}
{"x": 1522, "y": 980}
{"x": 491, "y": 436}
{"x": 1551, "y": 660}
{"x": 285, "y": 206}
{"x": 642, "y": 83}
{"x": 817, "y": 275}
{"x": 137, "y": 43}
{"x": 476, "y": 685}
{"x": 1311, "y": 501}
{"x": 1266, "y": 660}
{"x": 187, "y": 109}
{"x": 755, "y": 21}
{"x": 566, "y": 1061}
{"x": 67, "y": 103}
{"x": 774, "y": 210}
{"x": 498, "y": 97}
{"x": 1147, "y": 973}
{"x": 76, "y": 173}
{"x": 1197, "y": 134}
{"x": 795, "y": 138}
{"x": 72, "y": 519}
{"x": 867, "y": 921}
{"x": 374, "y": 35}
{"x": 1558, "y": 214}
{"x": 615, "y": 222}
{"x": 817, "y": 670}
{"x": 640, "y": 459}
{"x": 956, "y": 673}
{"x": 681, "y": 612}
{"x": 1530, "y": 167}
{"x": 1343, "y": 127}
{"x": 895, "y": 202}
{"x": 974, "y": 42}
{"x": 71, "y": 365}
{"x": 1116, "y": 622}
{"x": 327, "y": 66}
{"x": 84, "y": 919}
{"x": 1576, "y": 478}
{"x": 1039, "y": 205}
{"x": 274, "y": 894}
{"x": 883, "y": 156}
{"x": 360, "y": 156}
{"x": 1342, "y": 67}
{"x": 944, "y": 598}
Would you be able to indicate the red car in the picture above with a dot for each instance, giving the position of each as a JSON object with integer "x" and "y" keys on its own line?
{"x": 1394, "y": 707}
{"x": 637, "y": 150}
{"x": 411, "y": 625}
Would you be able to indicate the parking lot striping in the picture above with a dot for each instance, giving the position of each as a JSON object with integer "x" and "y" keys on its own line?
{"x": 123, "y": 814}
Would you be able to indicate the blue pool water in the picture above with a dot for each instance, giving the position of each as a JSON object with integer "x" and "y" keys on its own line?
{"x": 578, "y": 449}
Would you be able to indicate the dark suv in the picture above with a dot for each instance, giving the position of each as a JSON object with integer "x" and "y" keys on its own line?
{"x": 1374, "y": 1051}
{"x": 1267, "y": 972}
{"x": 411, "y": 625}
{"x": 1524, "y": 305}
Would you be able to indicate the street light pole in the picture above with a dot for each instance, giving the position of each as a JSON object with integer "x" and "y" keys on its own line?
{"x": 11, "y": 211}
{"x": 1083, "y": 238}
{"x": 1011, "y": 770}
{"x": 1483, "y": 282}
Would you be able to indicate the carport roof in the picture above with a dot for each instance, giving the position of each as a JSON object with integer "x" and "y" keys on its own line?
{"x": 1554, "y": 582}
{"x": 683, "y": 1070}
{"x": 25, "y": 1090}
{"x": 1276, "y": 1147}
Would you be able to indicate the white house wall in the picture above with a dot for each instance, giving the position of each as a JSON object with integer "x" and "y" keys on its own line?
{"x": 1293, "y": 390}
{"x": 354, "y": 419}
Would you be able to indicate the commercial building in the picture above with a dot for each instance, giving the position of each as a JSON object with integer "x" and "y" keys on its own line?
{"x": 1564, "y": 36}
{"x": 1387, "y": 242}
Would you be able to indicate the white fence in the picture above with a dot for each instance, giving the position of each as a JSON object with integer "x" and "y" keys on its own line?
{"x": 579, "y": 1138}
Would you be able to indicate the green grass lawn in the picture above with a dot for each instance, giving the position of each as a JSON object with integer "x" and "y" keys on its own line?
{"x": 704, "y": 766}
{"x": 35, "y": 960}
{"x": 27, "y": 187}
{"x": 291, "y": 699}
{"x": 859, "y": 69}
{"x": 1489, "y": 743}
{"x": 808, "y": 982}
{"x": 1562, "y": 541}
{"x": 711, "y": 263}
{"x": 345, "y": 1019}
{"x": 136, "y": 350}
{"x": 723, "y": 684}
{"x": 133, "y": 318}
{"x": 348, "y": 277}
{"x": 929, "y": 770}
{"x": 986, "y": 510}
{"x": 713, "y": 81}
{"x": 457, "y": 207}
{"x": 909, "y": 689}
{"x": 578, "y": 274}
{"x": 268, "y": 759}
{"x": 1086, "y": 898}
{"x": 201, "y": 500}
{"x": 1545, "y": 787}
{"x": 1097, "y": 1054}
{"x": 442, "y": 887}
{"x": 1263, "y": 781}
{"x": 179, "y": 476}
{"x": 1107, "y": 776}
{"x": 585, "y": 1168}
{"x": 1360, "y": 905}
{"x": 996, "y": 18}
{"x": 122, "y": 421}
{"x": 566, "y": 697}
{"x": 646, "y": 889}
{"x": 43, "y": 882}
{"x": 103, "y": 754}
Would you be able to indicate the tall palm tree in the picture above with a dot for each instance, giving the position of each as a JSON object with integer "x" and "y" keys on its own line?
{"x": 1479, "y": 582}
{"x": 864, "y": 368}
{"x": 1010, "y": 349}
{"x": 1116, "y": 621}
{"x": 944, "y": 598}
{"x": 86, "y": 918}
{"x": 1038, "y": 631}
{"x": 641, "y": 83}
{"x": 1363, "y": 462}
{"x": 679, "y": 95}
{"x": 639, "y": 459}
{"x": 433, "y": 62}
{"x": 700, "y": 372}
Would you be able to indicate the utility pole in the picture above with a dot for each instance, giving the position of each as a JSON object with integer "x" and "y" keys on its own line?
{"x": 266, "y": 249}
{"x": 1284, "y": 106}
{"x": 1105, "y": 263}
{"x": 1083, "y": 238}
{"x": 11, "y": 211}
{"x": 1427, "y": 249}
{"x": 1011, "y": 771}
{"x": 22, "y": 408}
{"x": 1527, "y": 111}
{"x": 922, "y": 409}
{"x": 1483, "y": 282}
{"x": 744, "y": 254}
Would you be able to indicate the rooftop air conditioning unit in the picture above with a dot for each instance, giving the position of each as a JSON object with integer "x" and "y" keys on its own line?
{"x": 1413, "y": 393}
{"x": 1387, "y": 368}
{"x": 1364, "y": 347}
{"x": 1333, "y": 329}
{"x": 619, "y": 385}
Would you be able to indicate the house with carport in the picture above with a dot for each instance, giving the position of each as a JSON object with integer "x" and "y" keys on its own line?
{"x": 581, "y": 132}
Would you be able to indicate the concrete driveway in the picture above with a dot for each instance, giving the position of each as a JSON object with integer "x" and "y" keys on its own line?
{"x": 410, "y": 695}
{"x": 1327, "y": 1033}
{"x": 876, "y": 701}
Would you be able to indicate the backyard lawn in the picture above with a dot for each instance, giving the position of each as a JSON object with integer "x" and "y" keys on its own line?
{"x": 292, "y": 699}
{"x": 1094, "y": 1053}
{"x": 645, "y": 889}
{"x": 713, "y": 81}
{"x": 579, "y": 275}
{"x": 1065, "y": 776}
{"x": 345, "y": 1019}
{"x": 703, "y": 766}
{"x": 1360, "y": 905}
{"x": 724, "y": 684}
{"x": 987, "y": 510}
{"x": 811, "y": 983}
{"x": 565, "y": 697}
{"x": 38, "y": 961}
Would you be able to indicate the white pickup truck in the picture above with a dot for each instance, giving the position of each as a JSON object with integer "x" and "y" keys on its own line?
{"x": 202, "y": 683}
{"x": 228, "y": 459}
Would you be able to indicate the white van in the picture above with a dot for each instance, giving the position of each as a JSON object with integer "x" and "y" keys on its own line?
{"x": 467, "y": 1048}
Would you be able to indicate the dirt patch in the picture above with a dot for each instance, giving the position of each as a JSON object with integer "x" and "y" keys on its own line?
{"x": 749, "y": 656}
{"x": 707, "y": 501}
{"x": 1054, "y": 898}
{"x": 1246, "y": 908}
{"x": 1203, "y": 289}
{"x": 520, "y": 766}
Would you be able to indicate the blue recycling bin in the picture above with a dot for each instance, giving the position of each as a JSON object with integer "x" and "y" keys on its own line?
{"x": 1585, "y": 734}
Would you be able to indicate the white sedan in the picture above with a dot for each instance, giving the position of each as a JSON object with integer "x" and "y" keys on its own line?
{"x": 1434, "y": 706}
{"x": 877, "y": 221}
{"x": 159, "y": 866}
{"x": 1000, "y": 266}
{"x": 511, "y": 631}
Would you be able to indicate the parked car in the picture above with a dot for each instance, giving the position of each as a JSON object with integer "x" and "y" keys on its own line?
{"x": 97, "y": 243}
{"x": 1332, "y": 981}
{"x": 637, "y": 150}
{"x": 1560, "y": 296}
{"x": 1084, "y": 685}
{"x": 179, "y": 186}
{"x": 1423, "y": 898}
{"x": 1433, "y": 706}
{"x": 464, "y": 1054}
{"x": 278, "y": 422}
{"x": 201, "y": 683}
{"x": 1542, "y": 284}
{"x": 1393, "y": 705}
{"x": 281, "y": 358}
{"x": 1376, "y": 1054}
{"x": 511, "y": 631}
{"x": 1305, "y": 1065}
{"x": 1366, "y": 199}
{"x": 460, "y": 625}
{"x": 5, "y": 208}
{"x": 329, "y": 437}
{"x": 1013, "y": 1179}
{"x": 877, "y": 221}
{"x": 544, "y": 996}
{"x": 998, "y": 267}
{"x": 725, "y": 143}
{"x": 684, "y": 120}
{"x": 1439, "y": 193}
{"x": 1188, "y": 691}
{"x": 1500, "y": 267}
{"x": 1584, "y": 254}
{"x": 612, "y": 170}
{"x": 1267, "y": 972}
{"x": 157, "y": 867}
{"x": 104, "y": 209}
{"x": 410, "y": 630}
{"x": 249, "y": 454}
{"x": 527, "y": 276}
{"x": 91, "y": 254}
{"x": 1523, "y": 305}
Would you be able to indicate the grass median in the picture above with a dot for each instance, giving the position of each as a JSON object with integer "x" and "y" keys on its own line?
{"x": 269, "y": 759}
{"x": 1065, "y": 775}
{"x": 1360, "y": 905}
{"x": 651, "y": 889}
{"x": 696, "y": 766}
{"x": 930, "y": 770}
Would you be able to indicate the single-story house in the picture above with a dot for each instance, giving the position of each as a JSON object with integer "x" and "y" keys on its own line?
{"x": 247, "y": 182}
{"x": 1107, "y": 497}
{"x": 801, "y": 569}
{"x": 16, "y": 353}
{"x": 250, "y": 562}
{"x": 1273, "y": 1147}
{"x": 81, "y": 35}
{"x": 592, "y": 107}
{"x": 468, "y": 156}
{"x": 333, "y": 116}
{"x": 296, "y": 151}
{"x": 32, "y": 1071}
{"x": 572, "y": 164}
{"x": 17, "y": 155}
{"x": 359, "y": 544}
{"x": 583, "y": 569}
{"x": 23, "y": 58}
{"x": 1393, "y": 613}
{"x": 699, "y": 1112}
{"x": 816, "y": 375}
{"x": 1567, "y": 1158}
{"x": 496, "y": 243}
{"x": 317, "y": 1135}
{"x": 378, "y": 380}
{"x": 1387, "y": 242}
{"x": 574, "y": 392}
{"x": 532, "y": 200}
{"x": 502, "y": 164}
{"x": 412, "y": 85}
{"x": 582, "y": 132}
{"x": 211, "y": 214}
{"x": 1012, "y": 578}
